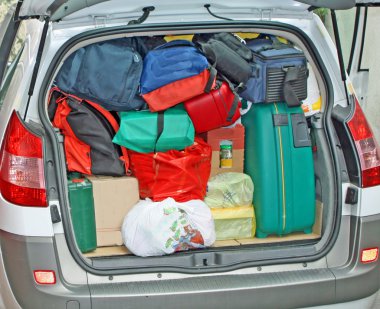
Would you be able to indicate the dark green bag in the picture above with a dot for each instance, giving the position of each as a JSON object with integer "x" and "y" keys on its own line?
{"x": 144, "y": 131}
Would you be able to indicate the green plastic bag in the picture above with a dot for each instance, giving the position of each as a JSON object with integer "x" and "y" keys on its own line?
{"x": 229, "y": 190}
{"x": 138, "y": 130}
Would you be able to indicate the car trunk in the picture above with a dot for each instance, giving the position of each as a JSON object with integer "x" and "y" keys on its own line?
{"x": 111, "y": 256}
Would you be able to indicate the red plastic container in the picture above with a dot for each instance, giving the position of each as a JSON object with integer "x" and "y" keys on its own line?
{"x": 210, "y": 110}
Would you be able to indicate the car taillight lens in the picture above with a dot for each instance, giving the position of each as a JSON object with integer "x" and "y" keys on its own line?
{"x": 369, "y": 255}
{"x": 22, "y": 179}
{"x": 45, "y": 276}
{"x": 366, "y": 146}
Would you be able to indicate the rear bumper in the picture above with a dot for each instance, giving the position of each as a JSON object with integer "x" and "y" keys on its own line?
{"x": 22, "y": 255}
{"x": 356, "y": 280}
{"x": 287, "y": 289}
{"x": 7, "y": 299}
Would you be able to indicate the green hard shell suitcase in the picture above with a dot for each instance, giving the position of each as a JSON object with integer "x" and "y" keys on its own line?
{"x": 82, "y": 212}
{"x": 145, "y": 132}
{"x": 278, "y": 157}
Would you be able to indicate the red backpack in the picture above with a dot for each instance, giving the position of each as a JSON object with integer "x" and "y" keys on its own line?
{"x": 88, "y": 130}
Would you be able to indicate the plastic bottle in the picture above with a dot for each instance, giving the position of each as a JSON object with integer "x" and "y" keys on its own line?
{"x": 225, "y": 154}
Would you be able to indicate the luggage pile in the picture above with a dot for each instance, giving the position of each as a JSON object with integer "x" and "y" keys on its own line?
{"x": 165, "y": 119}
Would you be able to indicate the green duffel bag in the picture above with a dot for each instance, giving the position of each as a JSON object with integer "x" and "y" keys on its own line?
{"x": 144, "y": 131}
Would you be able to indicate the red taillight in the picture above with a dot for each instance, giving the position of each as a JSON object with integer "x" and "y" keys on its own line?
{"x": 44, "y": 276}
{"x": 367, "y": 147}
{"x": 22, "y": 179}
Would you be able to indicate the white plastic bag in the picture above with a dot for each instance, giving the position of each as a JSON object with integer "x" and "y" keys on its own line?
{"x": 229, "y": 190}
{"x": 165, "y": 227}
{"x": 312, "y": 104}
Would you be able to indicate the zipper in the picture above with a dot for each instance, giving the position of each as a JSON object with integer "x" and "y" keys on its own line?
{"x": 134, "y": 66}
{"x": 282, "y": 174}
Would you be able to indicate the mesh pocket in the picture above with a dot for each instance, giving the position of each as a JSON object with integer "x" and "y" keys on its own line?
{"x": 275, "y": 84}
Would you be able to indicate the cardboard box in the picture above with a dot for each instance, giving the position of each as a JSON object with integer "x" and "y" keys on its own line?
{"x": 236, "y": 136}
{"x": 109, "y": 237}
{"x": 237, "y": 162}
{"x": 108, "y": 251}
{"x": 113, "y": 198}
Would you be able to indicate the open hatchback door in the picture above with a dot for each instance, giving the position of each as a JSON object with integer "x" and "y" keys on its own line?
{"x": 60, "y": 9}
{"x": 358, "y": 66}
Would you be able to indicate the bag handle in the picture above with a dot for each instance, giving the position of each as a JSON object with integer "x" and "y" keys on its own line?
{"x": 276, "y": 43}
{"x": 270, "y": 37}
{"x": 160, "y": 128}
{"x": 210, "y": 82}
{"x": 213, "y": 71}
{"x": 289, "y": 93}
{"x": 235, "y": 102}
{"x": 176, "y": 43}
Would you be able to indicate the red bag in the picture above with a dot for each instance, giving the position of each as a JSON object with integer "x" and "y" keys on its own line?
{"x": 213, "y": 110}
{"x": 88, "y": 130}
{"x": 177, "y": 92}
{"x": 182, "y": 175}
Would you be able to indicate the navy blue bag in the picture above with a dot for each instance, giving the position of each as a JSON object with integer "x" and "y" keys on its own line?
{"x": 107, "y": 73}
{"x": 279, "y": 72}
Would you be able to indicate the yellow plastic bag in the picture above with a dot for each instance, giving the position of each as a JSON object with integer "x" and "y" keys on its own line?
{"x": 234, "y": 223}
{"x": 228, "y": 190}
{"x": 313, "y": 103}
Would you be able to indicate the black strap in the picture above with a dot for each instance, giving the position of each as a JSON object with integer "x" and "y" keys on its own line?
{"x": 211, "y": 79}
{"x": 213, "y": 73}
{"x": 208, "y": 51}
{"x": 290, "y": 95}
{"x": 207, "y": 6}
{"x": 160, "y": 127}
{"x": 233, "y": 108}
{"x": 235, "y": 103}
{"x": 145, "y": 15}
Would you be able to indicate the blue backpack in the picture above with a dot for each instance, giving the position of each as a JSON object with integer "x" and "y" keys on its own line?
{"x": 107, "y": 73}
{"x": 173, "y": 73}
